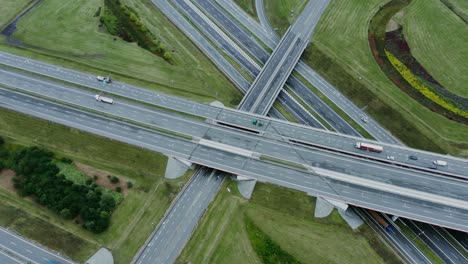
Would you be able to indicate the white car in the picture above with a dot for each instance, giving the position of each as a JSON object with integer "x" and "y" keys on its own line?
{"x": 391, "y": 157}
{"x": 103, "y": 79}
{"x": 365, "y": 119}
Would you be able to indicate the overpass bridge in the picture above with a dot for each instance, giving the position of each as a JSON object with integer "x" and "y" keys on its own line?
{"x": 263, "y": 164}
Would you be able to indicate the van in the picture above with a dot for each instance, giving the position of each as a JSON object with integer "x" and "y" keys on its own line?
{"x": 440, "y": 162}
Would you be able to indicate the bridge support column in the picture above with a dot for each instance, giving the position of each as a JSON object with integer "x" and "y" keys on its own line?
{"x": 245, "y": 186}
{"x": 176, "y": 167}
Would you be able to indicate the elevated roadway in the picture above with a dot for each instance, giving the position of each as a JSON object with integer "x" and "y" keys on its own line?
{"x": 279, "y": 66}
{"x": 312, "y": 76}
{"x": 217, "y": 36}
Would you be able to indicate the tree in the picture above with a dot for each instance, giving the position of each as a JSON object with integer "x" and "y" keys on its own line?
{"x": 2, "y": 141}
{"x": 129, "y": 184}
{"x": 65, "y": 213}
{"x": 114, "y": 179}
{"x": 118, "y": 189}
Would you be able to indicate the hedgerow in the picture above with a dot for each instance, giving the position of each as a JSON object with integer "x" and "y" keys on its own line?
{"x": 416, "y": 83}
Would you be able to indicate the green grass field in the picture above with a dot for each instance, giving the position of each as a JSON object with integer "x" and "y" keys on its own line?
{"x": 279, "y": 12}
{"x": 67, "y": 33}
{"x": 462, "y": 5}
{"x": 248, "y": 6}
{"x": 134, "y": 218}
{"x": 10, "y": 9}
{"x": 439, "y": 41}
{"x": 286, "y": 216}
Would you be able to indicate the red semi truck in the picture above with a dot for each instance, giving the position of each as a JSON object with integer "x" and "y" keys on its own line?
{"x": 381, "y": 221}
{"x": 369, "y": 147}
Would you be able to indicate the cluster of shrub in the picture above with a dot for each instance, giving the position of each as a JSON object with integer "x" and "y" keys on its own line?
{"x": 266, "y": 248}
{"x": 37, "y": 176}
{"x": 121, "y": 21}
{"x": 416, "y": 83}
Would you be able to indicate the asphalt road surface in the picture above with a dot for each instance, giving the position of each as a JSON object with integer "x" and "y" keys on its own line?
{"x": 313, "y": 77}
{"x": 15, "y": 249}
{"x": 176, "y": 227}
{"x": 279, "y": 66}
{"x": 410, "y": 251}
{"x": 436, "y": 242}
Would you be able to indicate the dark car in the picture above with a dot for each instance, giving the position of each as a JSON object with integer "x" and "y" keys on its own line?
{"x": 413, "y": 158}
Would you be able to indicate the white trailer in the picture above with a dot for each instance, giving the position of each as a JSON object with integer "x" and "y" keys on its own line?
{"x": 104, "y": 99}
{"x": 369, "y": 147}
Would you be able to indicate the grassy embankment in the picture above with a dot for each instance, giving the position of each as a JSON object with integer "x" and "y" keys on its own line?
{"x": 445, "y": 56}
{"x": 10, "y": 9}
{"x": 248, "y": 6}
{"x": 286, "y": 217}
{"x": 134, "y": 218}
{"x": 67, "y": 33}
{"x": 279, "y": 13}
{"x": 341, "y": 54}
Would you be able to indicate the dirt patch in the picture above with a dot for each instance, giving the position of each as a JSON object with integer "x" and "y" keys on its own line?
{"x": 395, "y": 22}
{"x": 6, "y": 180}
{"x": 391, "y": 25}
{"x": 102, "y": 178}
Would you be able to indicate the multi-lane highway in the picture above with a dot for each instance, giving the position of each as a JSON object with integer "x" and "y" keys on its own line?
{"x": 436, "y": 242}
{"x": 271, "y": 127}
{"x": 15, "y": 249}
{"x": 175, "y": 229}
{"x": 242, "y": 165}
{"x": 255, "y": 143}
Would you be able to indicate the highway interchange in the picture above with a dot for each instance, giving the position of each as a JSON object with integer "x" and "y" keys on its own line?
{"x": 221, "y": 115}
{"x": 242, "y": 165}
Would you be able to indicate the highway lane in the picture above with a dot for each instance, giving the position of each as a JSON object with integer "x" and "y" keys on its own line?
{"x": 230, "y": 28}
{"x": 175, "y": 229}
{"x": 27, "y": 251}
{"x": 279, "y": 66}
{"x": 270, "y": 128}
{"x": 217, "y": 36}
{"x": 436, "y": 242}
{"x": 409, "y": 250}
{"x": 7, "y": 258}
{"x": 211, "y": 52}
{"x": 335, "y": 189}
{"x": 235, "y": 11}
{"x": 280, "y": 150}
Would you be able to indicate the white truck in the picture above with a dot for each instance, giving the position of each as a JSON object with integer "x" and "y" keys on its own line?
{"x": 104, "y": 79}
{"x": 440, "y": 162}
{"x": 103, "y": 99}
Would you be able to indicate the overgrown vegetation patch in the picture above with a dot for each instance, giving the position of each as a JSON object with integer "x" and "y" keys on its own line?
{"x": 121, "y": 20}
{"x": 404, "y": 70}
{"x": 267, "y": 249}
{"x": 38, "y": 176}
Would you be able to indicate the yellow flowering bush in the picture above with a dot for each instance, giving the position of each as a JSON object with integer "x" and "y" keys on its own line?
{"x": 416, "y": 83}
